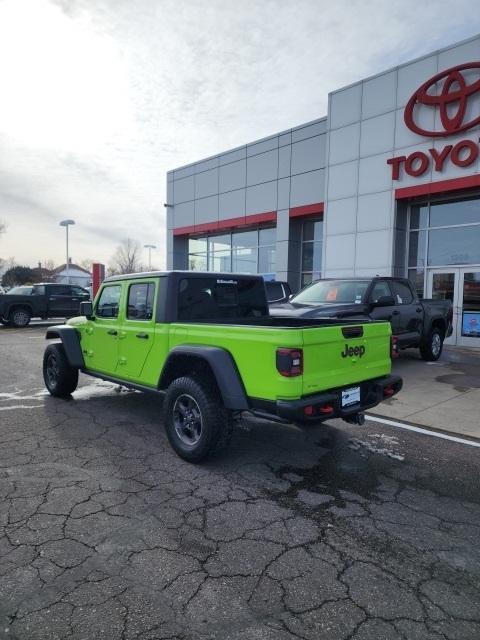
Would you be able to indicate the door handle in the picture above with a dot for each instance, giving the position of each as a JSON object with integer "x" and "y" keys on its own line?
{"x": 142, "y": 336}
{"x": 395, "y": 313}
{"x": 418, "y": 309}
{"x": 112, "y": 332}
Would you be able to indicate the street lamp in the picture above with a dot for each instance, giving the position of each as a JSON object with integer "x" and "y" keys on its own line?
{"x": 149, "y": 247}
{"x": 66, "y": 223}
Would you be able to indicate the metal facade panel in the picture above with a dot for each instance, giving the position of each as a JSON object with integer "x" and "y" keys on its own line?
{"x": 379, "y": 94}
{"x": 309, "y": 130}
{"x": 263, "y": 145}
{"x": 183, "y": 189}
{"x": 466, "y": 52}
{"x": 232, "y": 156}
{"x": 231, "y": 204}
{"x": 342, "y": 180}
{"x": 377, "y": 134}
{"x": 183, "y": 214}
{"x": 206, "y": 183}
{"x": 262, "y": 167}
{"x": 206, "y": 210}
{"x": 341, "y": 216}
{"x": 262, "y": 197}
{"x": 308, "y": 154}
{"x": 284, "y": 159}
{"x": 345, "y": 106}
{"x": 403, "y": 136}
{"x": 283, "y": 223}
{"x": 340, "y": 252}
{"x": 233, "y": 176}
{"x": 205, "y": 165}
{"x": 306, "y": 188}
{"x": 373, "y": 249}
{"x": 374, "y": 174}
{"x": 411, "y": 76}
{"x": 374, "y": 211}
{"x": 285, "y": 139}
{"x": 283, "y": 193}
{"x": 183, "y": 172}
{"x": 344, "y": 144}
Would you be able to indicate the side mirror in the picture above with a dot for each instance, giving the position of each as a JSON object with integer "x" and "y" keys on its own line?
{"x": 86, "y": 309}
{"x": 291, "y": 296}
{"x": 384, "y": 301}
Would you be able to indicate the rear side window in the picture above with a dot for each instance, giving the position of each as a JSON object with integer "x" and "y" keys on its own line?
{"x": 61, "y": 290}
{"x": 140, "y": 301}
{"x": 107, "y": 306}
{"x": 221, "y": 298}
{"x": 274, "y": 291}
{"x": 402, "y": 293}
{"x": 78, "y": 291}
{"x": 380, "y": 290}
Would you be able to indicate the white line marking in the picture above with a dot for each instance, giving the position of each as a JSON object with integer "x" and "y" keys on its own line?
{"x": 426, "y": 432}
{"x": 21, "y": 406}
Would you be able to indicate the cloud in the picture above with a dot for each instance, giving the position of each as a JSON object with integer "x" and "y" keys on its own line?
{"x": 100, "y": 99}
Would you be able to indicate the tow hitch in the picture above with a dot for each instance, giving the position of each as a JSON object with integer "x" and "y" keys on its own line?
{"x": 356, "y": 418}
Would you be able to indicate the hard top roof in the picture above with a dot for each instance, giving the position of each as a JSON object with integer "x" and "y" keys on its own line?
{"x": 190, "y": 274}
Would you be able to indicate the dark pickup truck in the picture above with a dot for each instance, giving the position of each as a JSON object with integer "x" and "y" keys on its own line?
{"x": 422, "y": 324}
{"x": 49, "y": 300}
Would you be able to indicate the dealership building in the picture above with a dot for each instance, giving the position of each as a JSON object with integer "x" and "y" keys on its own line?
{"x": 387, "y": 183}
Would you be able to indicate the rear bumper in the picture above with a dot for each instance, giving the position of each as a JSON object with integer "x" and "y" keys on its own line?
{"x": 372, "y": 392}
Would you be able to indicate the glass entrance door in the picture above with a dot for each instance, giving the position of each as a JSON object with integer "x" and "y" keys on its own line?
{"x": 469, "y": 307}
{"x": 442, "y": 284}
{"x": 462, "y": 287}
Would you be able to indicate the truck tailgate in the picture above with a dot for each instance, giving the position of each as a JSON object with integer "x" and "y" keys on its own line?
{"x": 341, "y": 355}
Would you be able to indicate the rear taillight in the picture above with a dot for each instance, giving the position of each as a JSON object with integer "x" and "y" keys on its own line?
{"x": 394, "y": 347}
{"x": 290, "y": 362}
{"x": 388, "y": 391}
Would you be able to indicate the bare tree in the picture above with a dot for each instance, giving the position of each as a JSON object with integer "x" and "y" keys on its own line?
{"x": 126, "y": 258}
{"x": 49, "y": 264}
{"x": 86, "y": 264}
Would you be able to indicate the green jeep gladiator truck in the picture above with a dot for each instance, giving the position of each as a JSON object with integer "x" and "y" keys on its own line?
{"x": 206, "y": 342}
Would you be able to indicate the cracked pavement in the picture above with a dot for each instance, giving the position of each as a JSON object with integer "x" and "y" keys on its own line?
{"x": 338, "y": 532}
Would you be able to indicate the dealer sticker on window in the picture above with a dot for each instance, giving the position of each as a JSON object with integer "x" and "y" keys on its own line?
{"x": 350, "y": 396}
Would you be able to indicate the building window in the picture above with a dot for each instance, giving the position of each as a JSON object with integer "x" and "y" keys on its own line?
{"x": 312, "y": 245}
{"x": 442, "y": 234}
{"x": 251, "y": 251}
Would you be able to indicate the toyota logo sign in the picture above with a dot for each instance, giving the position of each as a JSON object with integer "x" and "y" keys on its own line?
{"x": 450, "y": 92}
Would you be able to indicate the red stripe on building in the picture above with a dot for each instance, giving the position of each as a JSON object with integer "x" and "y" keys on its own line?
{"x": 307, "y": 210}
{"x": 230, "y": 223}
{"x": 442, "y": 186}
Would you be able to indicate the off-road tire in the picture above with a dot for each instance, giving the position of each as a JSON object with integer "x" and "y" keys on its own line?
{"x": 19, "y": 318}
{"x": 216, "y": 420}
{"x": 60, "y": 378}
{"x": 431, "y": 347}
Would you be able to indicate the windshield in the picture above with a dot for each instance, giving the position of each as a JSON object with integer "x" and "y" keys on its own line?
{"x": 20, "y": 291}
{"x": 333, "y": 292}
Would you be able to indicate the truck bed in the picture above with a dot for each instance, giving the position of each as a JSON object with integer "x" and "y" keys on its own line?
{"x": 253, "y": 345}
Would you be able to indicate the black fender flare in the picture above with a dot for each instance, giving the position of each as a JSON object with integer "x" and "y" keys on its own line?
{"x": 223, "y": 367}
{"x": 71, "y": 343}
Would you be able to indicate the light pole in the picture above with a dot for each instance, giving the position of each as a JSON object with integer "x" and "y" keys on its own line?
{"x": 66, "y": 223}
{"x": 149, "y": 247}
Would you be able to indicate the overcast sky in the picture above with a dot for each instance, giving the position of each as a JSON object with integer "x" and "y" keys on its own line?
{"x": 99, "y": 98}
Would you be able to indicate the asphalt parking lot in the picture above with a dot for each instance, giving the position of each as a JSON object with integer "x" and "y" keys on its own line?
{"x": 338, "y": 532}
